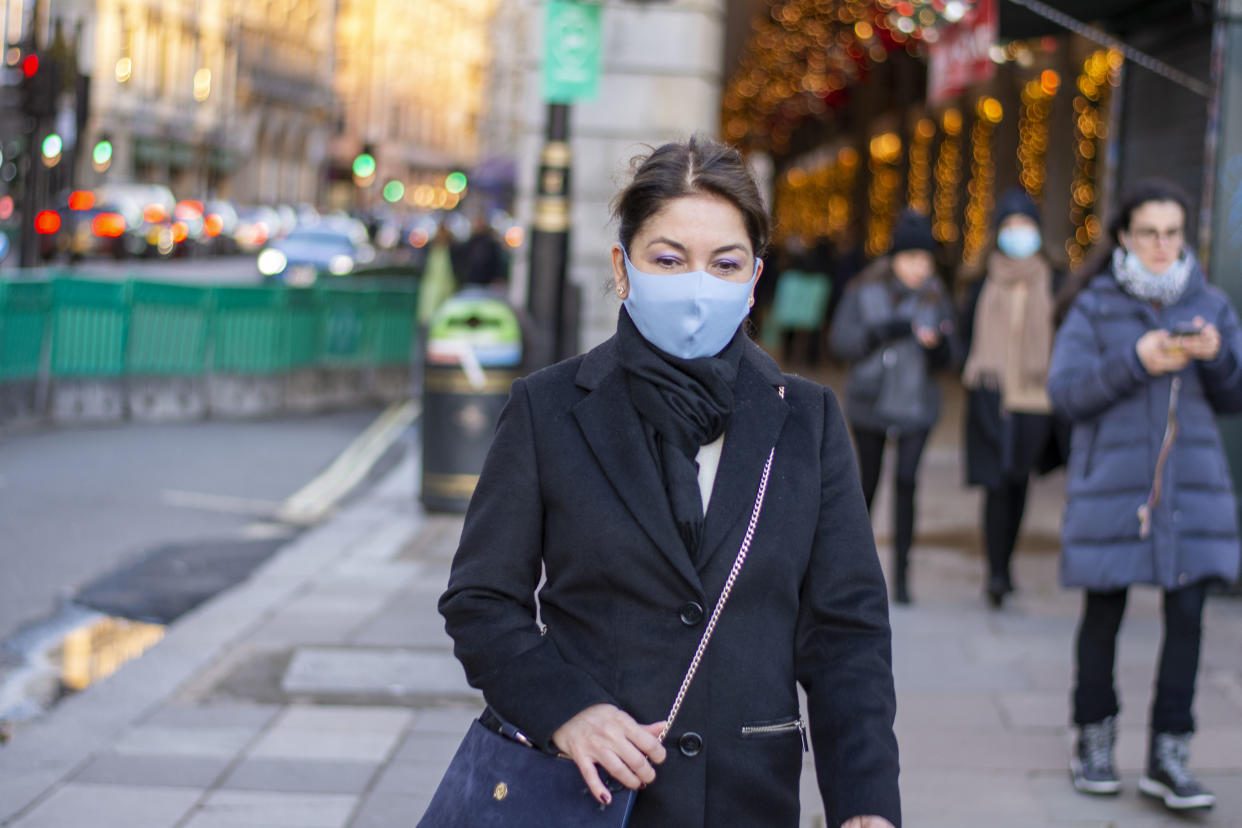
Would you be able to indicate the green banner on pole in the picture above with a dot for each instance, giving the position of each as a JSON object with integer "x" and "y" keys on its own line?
{"x": 571, "y": 54}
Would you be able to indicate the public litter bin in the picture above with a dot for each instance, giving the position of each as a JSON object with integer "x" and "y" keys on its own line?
{"x": 473, "y": 354}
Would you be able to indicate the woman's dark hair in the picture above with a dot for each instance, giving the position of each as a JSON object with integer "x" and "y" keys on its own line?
{"x": 1145, "y": 191}
{"x": 697, "y": 166}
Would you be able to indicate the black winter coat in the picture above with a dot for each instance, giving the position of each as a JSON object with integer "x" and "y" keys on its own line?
{"x": 571, "y": 490}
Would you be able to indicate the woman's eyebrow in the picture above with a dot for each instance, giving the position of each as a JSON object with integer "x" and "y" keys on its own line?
{"x": 682, "y": 247}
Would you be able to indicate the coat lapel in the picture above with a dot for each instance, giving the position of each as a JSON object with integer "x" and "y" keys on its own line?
{"x": 615, "y": 434}
{"x": 758, "y": 416}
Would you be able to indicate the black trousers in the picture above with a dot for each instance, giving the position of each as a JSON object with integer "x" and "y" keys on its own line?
{"x": 870, "y": 447}
{"x": 1003, "y": 507}
{"x": 1095, "y": 692}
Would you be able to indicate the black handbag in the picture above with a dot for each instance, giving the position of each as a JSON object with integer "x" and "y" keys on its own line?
{"x": 497, "y": 778}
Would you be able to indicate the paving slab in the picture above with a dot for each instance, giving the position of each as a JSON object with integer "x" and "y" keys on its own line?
{"x": 345, "y": 671}
{"x": 301, "y": 776}
{"x": 111, "y": 806}
{"x": 255, "y": 809}
{"x": 164, "y": 771}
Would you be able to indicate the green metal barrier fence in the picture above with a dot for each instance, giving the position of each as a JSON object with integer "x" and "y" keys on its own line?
{"x": 24, "y": 309}
{"x": 66, "y": 329}
{"x": 168, "y": 330}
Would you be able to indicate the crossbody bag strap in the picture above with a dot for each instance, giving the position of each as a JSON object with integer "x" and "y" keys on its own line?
{"x": 724, "y": 594}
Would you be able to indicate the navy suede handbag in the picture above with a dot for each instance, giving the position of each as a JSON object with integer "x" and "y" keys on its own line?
{"x": 499, "y": 779}
{"x": 495, "y": 780}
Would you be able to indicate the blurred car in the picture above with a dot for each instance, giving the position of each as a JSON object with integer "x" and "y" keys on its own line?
{"x": 308, "y": 253}
{"x": 256, "y": 227}
{"x": 220, "y": 226}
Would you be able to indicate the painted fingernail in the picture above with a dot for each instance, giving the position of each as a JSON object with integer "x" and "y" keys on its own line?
{"x": 605, "y": 798}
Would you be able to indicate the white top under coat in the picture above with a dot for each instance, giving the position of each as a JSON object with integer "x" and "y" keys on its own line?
{"x": 708, "y": 459}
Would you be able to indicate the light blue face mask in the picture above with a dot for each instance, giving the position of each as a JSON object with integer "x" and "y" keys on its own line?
{"x": 1019, "y": 242}
{"x": 688, "y": 315}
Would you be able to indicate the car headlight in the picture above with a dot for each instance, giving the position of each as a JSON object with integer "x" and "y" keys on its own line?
{"x": 340, "y": 265}
{"x": 272, "y": 261}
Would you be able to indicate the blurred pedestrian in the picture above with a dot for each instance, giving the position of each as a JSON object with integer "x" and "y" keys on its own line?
{"x": 438, "y": 282}
{"x": 480, "y": 260}
{"x": 895, "y": 326}
{"x": 622, "y": 480}
{"x": 1007, "y": 330}
{"x": 1148, "y": 354}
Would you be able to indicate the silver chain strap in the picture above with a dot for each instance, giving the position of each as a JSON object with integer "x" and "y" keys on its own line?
{"x": 724, "y": 594}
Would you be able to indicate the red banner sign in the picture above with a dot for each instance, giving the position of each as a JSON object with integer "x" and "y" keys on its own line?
{"x": 960, "y": 59}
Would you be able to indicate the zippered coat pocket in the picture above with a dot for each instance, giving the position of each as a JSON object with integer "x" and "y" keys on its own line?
{"x": 777, "y": 727}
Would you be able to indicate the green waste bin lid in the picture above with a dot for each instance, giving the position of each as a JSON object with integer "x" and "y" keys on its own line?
{"x": 485, "y": 326}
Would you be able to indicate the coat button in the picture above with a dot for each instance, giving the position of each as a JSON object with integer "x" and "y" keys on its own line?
{"x": 1183, "y": 578}
{"x": 691, "y": 614}
{"x": 690, "y": 743}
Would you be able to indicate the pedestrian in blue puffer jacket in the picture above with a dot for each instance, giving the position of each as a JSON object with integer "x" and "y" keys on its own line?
{"x": 1147, "y": 356}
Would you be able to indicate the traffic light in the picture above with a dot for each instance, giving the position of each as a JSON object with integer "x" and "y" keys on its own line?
{"x": 52, "y": 147}
{"x": 364, "y": 167}
{"x": 101, "y": 155}
{"x": 40, "y": 85}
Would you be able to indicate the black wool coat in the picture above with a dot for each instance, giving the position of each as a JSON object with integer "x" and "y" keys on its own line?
{"x": 571, "y": 490}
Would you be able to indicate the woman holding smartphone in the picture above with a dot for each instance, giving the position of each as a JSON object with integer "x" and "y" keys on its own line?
{"x": 1148, "y": 355}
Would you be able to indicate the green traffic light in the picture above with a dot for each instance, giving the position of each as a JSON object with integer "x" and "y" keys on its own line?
{"x": 455, "y": 182}
{"x": 52, "y": 145}
{"x": 393, "y": 192}
{"x": 102, "y": 153}
{"x": 364, "y": 165}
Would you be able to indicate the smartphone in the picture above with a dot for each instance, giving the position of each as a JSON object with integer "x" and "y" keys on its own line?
{"x": 1185, "y": 328}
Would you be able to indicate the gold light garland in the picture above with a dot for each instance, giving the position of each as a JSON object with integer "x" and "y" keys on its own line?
{"x": 919, "y": 183}
{"x": 802, "y": 53}
{"x": 948, "y": 177}
{"x": 884, "y": 152}
{"x": 802, "y": 195}
{"x": 982, "y": 186}
{"x": 1100, "y": 74}
{"x": 1037, "y": 97}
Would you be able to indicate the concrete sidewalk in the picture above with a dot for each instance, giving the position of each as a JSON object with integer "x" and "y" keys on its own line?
{"x": 322, "y": 693}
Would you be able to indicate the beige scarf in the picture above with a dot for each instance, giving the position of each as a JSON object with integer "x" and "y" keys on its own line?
{"x": 1012, "y": 343}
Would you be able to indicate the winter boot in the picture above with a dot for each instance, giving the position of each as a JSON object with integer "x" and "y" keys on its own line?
{"x": 1091, "y": 766}
{"x": 1167, "y": 777}
{"x": 901, "y": 574}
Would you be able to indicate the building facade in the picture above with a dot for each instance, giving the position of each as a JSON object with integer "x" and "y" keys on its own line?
{"x": 413, "y": 82}
{"x": 211, "y": 97}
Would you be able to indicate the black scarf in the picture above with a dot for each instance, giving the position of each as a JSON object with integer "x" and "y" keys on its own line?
{"x": 684, "y": 404}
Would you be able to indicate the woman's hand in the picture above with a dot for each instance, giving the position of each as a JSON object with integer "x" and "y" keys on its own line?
{"x": 1160, "y": 354}
{"x": 609, "y": 737}
{"x": 929, "y": 338}
{"x": 1205, "y": 345}
{"x": 867, "y": 822}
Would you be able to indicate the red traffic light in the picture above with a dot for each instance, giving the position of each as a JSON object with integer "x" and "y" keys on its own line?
{"x": 47, "y": 222}
{"x": 30, "y": 65}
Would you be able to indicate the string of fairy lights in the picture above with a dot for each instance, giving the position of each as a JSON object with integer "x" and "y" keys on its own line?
{"x": 1100, "y": 74}
{"x": 948, "y": 178}
{"x": 982, "y": 187}
{"x": 801, "y": 57}
{"x": 884, "y": 155}
{"x": 919, "y": 177}
{"x": 1037, "y": 96}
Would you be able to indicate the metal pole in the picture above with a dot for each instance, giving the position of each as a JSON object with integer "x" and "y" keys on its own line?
{"x": 550, "y": 242}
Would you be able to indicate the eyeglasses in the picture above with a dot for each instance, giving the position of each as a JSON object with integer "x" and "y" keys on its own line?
{"x": 1150, "y": 235}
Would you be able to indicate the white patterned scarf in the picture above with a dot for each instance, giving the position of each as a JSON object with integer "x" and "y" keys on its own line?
{"x": 1163, "y": 288}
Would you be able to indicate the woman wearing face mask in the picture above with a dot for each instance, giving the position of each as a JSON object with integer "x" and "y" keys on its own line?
{"x": 624, "y": 479}
{"x": 1008, "y": 327}
{"x": 1149, "y": 353}
{"x": 895, "y": 327}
